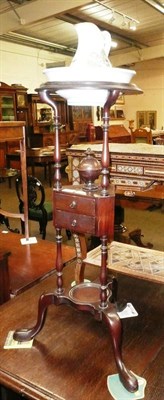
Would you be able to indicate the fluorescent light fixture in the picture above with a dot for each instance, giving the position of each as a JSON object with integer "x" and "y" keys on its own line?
{"x": 114, "y": 44}
{"x": 110, "y": 16}
{"x": 124, "y": 21}
{"x": 132, "y": 25}
{"x": 113, "y": 15}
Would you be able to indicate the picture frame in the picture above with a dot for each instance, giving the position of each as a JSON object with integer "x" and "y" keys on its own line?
{"x": 152, "y": 119}
{"x": 81, "y": 113}
{"x": 112, "y": 113}
{"x": 147, "y": 119}
{"x": 141, "y": 119}
{"x": 21, "y": 100}
{"x": 119, "y": 113}
{"x": 121, "y": 99}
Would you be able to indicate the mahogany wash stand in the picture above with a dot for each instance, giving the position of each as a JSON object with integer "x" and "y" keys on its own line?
{"x": 85, "y": 211}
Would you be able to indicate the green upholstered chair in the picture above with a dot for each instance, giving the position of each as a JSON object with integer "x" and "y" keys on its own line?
{"x": 38, "y": 209}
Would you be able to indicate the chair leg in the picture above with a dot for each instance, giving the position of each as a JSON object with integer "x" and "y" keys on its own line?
{"x": 69, "y": 234}
{"x": 44, "y": 230}
{"x": 23, "y": 227}
{"x": 40, "y": 227}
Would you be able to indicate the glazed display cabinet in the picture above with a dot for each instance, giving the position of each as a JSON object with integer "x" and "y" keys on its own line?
{"x": 7, "y": 103}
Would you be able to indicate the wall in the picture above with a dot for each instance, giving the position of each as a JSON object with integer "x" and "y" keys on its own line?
{"x": 25, "y": 65}
{"x": 150, "y": 78}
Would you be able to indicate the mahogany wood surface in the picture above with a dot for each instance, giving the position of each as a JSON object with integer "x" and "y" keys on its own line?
{"x": 140, "y": 199}
{"x": 28, "y": 264}
{"x": 4, "y": 278}
{"x": 82, "y": 212}
{"x": 72, "y": 356}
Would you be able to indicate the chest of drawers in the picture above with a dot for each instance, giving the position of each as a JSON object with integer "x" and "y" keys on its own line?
{"x": 82, "y": 212}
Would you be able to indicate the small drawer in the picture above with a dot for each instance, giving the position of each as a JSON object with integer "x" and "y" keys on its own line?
{"x": 75, "y": 222}
{"x": 74, "y": 204}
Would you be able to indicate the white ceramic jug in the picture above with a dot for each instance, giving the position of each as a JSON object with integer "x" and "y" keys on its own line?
{"x": 93, "y": 46}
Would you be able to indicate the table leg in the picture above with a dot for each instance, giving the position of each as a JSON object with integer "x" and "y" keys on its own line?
{"x": 4, "y": 278}
{"x": 50, "y": 173}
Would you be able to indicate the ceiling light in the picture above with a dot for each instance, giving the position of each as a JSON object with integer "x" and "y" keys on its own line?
{"x": 111, "y": 16}
{"x": 124, "y": 21}
{"x": 127, "y": 20}
{"x": 114, "y": 44}
{"x": 132, "y": 25}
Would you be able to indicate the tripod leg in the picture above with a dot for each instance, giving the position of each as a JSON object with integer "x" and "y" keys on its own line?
{"x": 28, "y": 334}
{"x": 113, "y": 323}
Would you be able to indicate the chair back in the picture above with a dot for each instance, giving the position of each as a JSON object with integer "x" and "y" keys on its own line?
{"x": 36, "y": 193}
{"x": 141, "y": 136}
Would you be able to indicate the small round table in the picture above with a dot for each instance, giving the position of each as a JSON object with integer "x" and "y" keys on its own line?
{"x": 8, "y": 173}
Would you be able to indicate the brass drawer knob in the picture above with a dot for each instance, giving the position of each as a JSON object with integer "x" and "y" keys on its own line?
{"x": 74, "y": 222}
{"x": 73, "y": 204}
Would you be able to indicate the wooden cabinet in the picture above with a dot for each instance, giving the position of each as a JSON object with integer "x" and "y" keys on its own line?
{"x": 22, "y": 111}
{"x": 9, "y": 113}
{"x": 42, "y": 139}
{"x": 41, "y": 118}
{"x": 13, "y": 103}
{"x": 10, "y": 133}
{"x": 80, "y": 212}
{"x": 7, "y": 103}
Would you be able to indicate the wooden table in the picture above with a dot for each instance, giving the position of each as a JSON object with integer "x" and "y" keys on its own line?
{"x": 72, "y": 356}
{"x": 134, "y": 165}
{"x": 134, "y": 168}
{"x": 140, "y": 263}
{"x": 6, "y": 173}
{"x": 42, "y": 156}
{"x": 28, "y": 264}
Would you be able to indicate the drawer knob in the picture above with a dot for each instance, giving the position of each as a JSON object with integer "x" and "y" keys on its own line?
{"x": 73, "y": 204}
{"x": 74, "y": 222}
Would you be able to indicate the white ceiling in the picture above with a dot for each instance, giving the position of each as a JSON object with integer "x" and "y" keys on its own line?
{"x": 50, "y": 24}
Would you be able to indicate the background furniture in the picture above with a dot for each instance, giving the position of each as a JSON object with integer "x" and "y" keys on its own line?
{"x": 116, "y": 134}
{"x": 132, "y": 261}
{"x": 23, "y": 266}
{"x": 134, "y": 169}
{"x": 43, "y": 157}
{"x": 15, "y": 131}
{"x": 7, "y": 103}
{"x": 4, "y": 277}
{"x": 141, "y": 136}
{"x": 38, "y": 208}
{"x": 8, "y": 173}
{"x": 41, "y": 131}
{"x": 134, "y": 166}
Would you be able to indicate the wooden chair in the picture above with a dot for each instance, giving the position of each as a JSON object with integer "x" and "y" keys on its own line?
{"x": 38, "y": 209}
{"x": 141, "y": 136}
